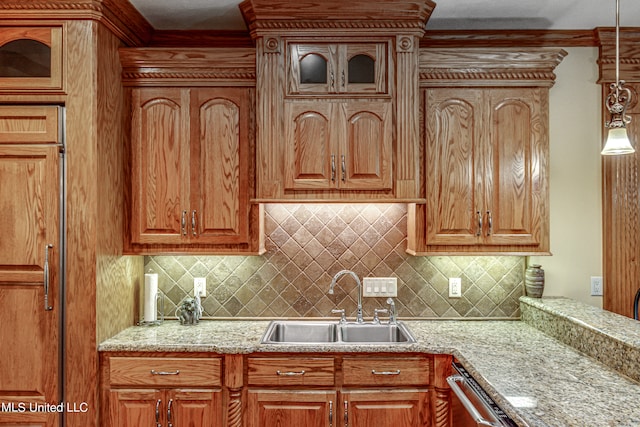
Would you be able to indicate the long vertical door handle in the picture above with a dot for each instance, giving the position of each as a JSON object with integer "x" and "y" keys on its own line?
{"x": 183, "y": 223}
{"x": 479, "y": 229}
{"x": 331, "y": 413}
{"x": 344, "y": 168}
{"x": 47, "y": 307}
{"x": 333, "y": 168}
{"x": 346, "y": 414}
{"x": 194, "y": 223}
{"x": 169, "y": 415}
{"x": 490, "y": 219}
{"x": 158, "y": 402}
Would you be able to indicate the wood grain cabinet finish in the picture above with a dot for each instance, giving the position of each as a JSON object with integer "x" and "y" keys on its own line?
{"x": 338, "y": 145}
{"x": 360, "y": 390}
{"x": 486, "y": 151}
{"x": 190, "y": 166}
{"x": 158, "y": 391}
{"x": 337, "y": 68}
{"x": 486, "y": 176}
{"x": 31, "y": 59}
{"x": 29, "y": 263}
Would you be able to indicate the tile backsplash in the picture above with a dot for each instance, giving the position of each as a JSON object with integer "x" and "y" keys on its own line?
{"x": 308, "y": 243}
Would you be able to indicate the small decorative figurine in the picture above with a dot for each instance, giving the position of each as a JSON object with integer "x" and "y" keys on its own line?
{"x": 190, "y": 311}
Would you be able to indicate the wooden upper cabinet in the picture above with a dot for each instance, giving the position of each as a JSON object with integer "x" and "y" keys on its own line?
{"x": 486, "y": 151}
{"x": 486, "y": 182}
{"x": 190, "y": 159}
{"x": 338, "y": 145}
{"x": 359, "y": 58}
{"x": 346, "y": 68}
{"x": 31, "y": 58}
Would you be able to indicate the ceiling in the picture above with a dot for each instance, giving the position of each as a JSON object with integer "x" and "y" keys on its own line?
{"x": 448, "y": 14}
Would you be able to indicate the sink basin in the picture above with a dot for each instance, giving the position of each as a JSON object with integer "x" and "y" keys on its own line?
{"x": 300, "y": 332}
{"x": 307, "y": 332}
{"x": 382, "y": 333}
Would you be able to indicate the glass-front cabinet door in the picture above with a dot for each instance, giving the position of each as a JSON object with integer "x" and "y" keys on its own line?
{"x": 30, "y": 58}
{"x": 349, "y": 68}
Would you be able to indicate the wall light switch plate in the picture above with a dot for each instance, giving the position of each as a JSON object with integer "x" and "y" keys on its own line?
{"x": 380, "y": 287}
{"x": 455, "y": 287}
{"x": 200, "y": 286}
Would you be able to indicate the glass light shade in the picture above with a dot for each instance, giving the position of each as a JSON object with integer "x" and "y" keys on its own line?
{"x": 617, "y": 142}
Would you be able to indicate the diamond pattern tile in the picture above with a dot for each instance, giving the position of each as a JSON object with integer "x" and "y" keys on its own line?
{"x": 308, "y": 243}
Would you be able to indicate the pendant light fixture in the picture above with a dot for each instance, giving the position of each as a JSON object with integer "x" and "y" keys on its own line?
{"x": 617, "y": 102}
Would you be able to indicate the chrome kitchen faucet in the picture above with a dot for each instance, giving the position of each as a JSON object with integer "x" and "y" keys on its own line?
{"x": 341, "y": 273}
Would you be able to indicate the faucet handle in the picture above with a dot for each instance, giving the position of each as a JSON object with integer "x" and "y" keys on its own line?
{"x": 376, "y": 319}
{"x": 343, "y": 316}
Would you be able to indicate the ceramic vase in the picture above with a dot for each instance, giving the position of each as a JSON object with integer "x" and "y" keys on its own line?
{"x": 534, "y": 280}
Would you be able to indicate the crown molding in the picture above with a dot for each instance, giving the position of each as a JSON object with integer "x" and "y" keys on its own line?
{"x": 508, "y": 38}
{"x": 119, "y": 16}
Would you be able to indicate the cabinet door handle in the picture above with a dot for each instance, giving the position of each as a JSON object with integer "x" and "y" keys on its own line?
{"x": 342, "y": 79}
{"x": 154, "y": 372}
{"x": 290, "y": 374}
{"x": 183, "y": 223}
{"x": 333, "y": 168}
{"x": 158, "y": 402}
{"x": 169, "y": 407}
{"x": 346, "y": 414}
{"x": 490, "y": 219}
{"x": 479, "y": 230}
{"x": 47, "y": 307}
{"x": 396, "y": 372}
{"x": 194, "y": 223}
{"x": 331, "y": 413}
{"x": 333, "y": 81}
{"x": 344, "y": 168}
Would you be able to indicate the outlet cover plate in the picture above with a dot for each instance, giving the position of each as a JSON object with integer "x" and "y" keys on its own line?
{"x": 455, "y": 287}
{"x": 200, "y": 286}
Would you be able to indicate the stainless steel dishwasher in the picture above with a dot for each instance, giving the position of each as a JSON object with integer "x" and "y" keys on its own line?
{"x": 471, "y": 405}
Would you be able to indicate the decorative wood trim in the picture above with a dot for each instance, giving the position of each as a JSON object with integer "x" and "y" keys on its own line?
{"x": 200, "y": 38}
{"x": 508, "y": 38}
{"x": 188, "y": 66}
{"x": 629, "y": 54}
{"x": 362, "y": 16}
{"x": 489, "y": 66}
{"x": 119, "y": 16}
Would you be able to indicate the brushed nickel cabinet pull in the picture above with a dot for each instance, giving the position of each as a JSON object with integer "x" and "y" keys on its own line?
{"x": 396, "y": 372}
{"x": 183, "y": 223}
{"x": 154, "y": 372}
{"x": 169, "y": 406}
{"x": 333, "y": 168}
{"x": 158, "y": 402}
{"x": 290, "y": 374}
{"x": 194, "y": 223}
{"x": 479, "y": 230}
{"x": 344, "y": 168}
{"x": 331, "y": 413}
{"x": 346, "y": 414}
{"x": 490, "y": 219}
{"x": 47, "y": 307}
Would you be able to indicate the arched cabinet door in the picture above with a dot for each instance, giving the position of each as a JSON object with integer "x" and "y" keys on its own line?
{"x": 30, "y": 58}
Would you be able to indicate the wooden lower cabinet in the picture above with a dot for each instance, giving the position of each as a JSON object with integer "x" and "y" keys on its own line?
{"x": 162, "y": 391}
{"x": 179, "y": 407}
{"x": 386, "y": 408}
{"x": 289, "y": 408}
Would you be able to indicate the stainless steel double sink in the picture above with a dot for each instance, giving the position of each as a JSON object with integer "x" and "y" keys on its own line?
{"x": 333, "y": 332}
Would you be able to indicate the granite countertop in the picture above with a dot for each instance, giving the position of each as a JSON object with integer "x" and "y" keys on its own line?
{"x": 536, "y": 379}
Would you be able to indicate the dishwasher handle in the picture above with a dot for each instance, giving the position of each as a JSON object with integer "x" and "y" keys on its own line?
{"x": 454, "y": 381}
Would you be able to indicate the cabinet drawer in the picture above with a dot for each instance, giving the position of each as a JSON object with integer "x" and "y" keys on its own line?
{"x": 385, "y": 371}
{"x": 291, "y": 371}
{"x": 170, "y": 372}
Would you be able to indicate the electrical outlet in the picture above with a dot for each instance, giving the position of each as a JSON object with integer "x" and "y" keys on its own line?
{"x": 200, "y": 286}
{"x": 455, "y": 287}
{"x": 596, "y": 286}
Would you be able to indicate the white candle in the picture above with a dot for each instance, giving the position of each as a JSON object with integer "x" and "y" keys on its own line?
{"x": 150, "y": 297}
